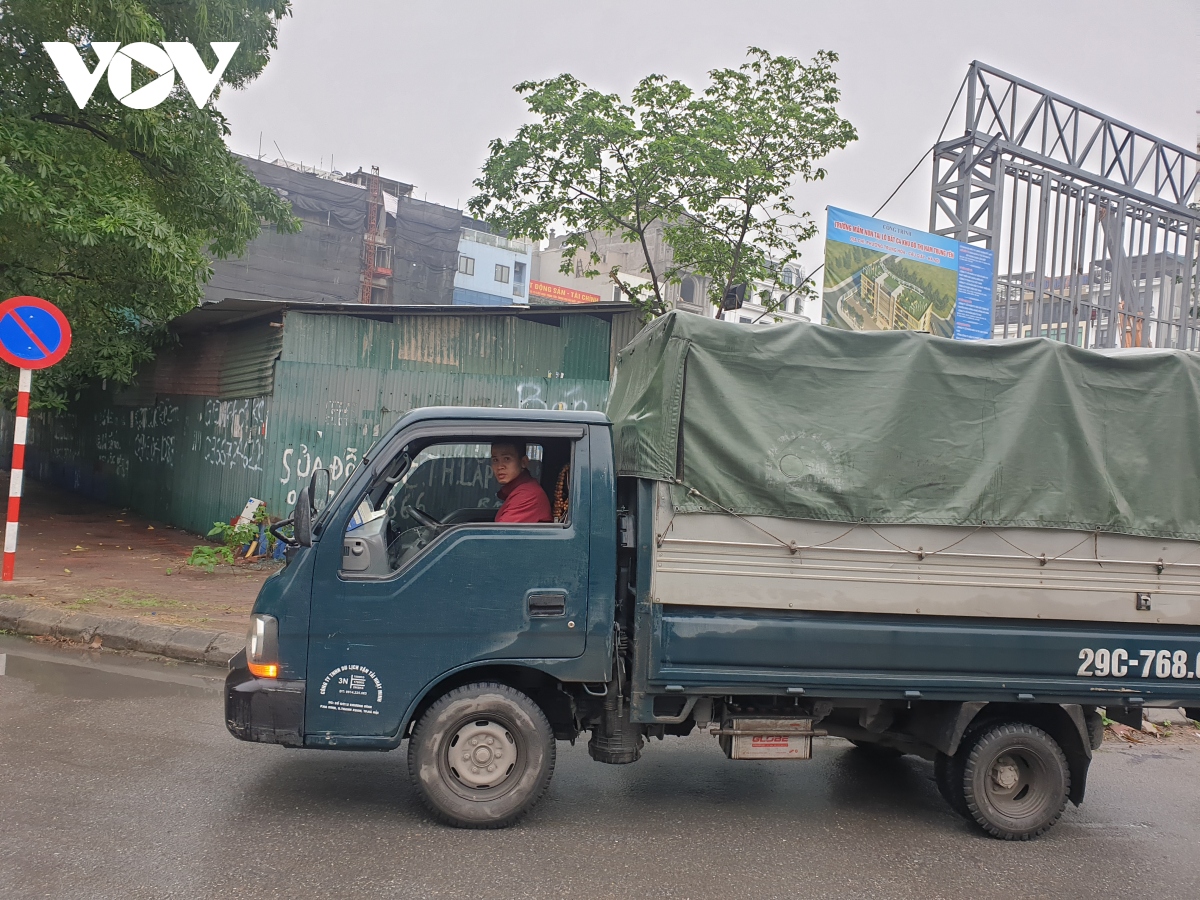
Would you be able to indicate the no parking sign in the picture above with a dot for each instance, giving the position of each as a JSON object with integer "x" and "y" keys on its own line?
{"x": 34, "y": 334}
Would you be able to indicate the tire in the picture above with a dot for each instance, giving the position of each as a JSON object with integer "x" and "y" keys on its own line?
{"x": 877, "y": 751}
{"x": 1015, "y": 781}
{"x": 504, "y": 774}
{"x": 948, "y": 773}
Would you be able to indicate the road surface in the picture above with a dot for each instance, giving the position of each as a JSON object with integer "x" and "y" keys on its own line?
{"x": 118, "y": 780}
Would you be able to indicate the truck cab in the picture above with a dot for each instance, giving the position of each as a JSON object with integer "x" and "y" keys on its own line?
{"x": 405, "y": 590}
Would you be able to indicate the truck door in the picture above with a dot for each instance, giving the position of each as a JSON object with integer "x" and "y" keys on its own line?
{"x": 398, "y": 601}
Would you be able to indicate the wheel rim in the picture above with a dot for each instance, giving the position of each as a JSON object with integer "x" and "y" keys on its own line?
{"x": 483, "y": 758}
{"x": 1016, "y": 783}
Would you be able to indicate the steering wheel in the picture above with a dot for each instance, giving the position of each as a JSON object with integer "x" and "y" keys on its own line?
{"x": 423, "y": 517}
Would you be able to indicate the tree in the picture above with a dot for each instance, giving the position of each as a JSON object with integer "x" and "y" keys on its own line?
{"x": 114, "y": 213}
{"x": 713, "y": 169}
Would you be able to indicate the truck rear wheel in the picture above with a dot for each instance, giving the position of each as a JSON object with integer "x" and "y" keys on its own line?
{"x": 948, "y": 773}
{"x": 1015, "y": 781}
{"x": 481, "y": 756}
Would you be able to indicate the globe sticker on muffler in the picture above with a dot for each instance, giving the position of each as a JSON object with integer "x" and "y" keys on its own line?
{"x": 352, "y": 689}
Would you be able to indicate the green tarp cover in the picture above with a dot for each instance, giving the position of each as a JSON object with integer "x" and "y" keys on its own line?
{"x": 805, "y": 421}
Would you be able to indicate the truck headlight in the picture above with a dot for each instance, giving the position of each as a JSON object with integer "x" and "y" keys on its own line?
{"x": 262, "y": 646}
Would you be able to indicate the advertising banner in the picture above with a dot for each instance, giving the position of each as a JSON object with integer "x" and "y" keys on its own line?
{"x": 880, "y": 276}
{"x": 561, "y": 294}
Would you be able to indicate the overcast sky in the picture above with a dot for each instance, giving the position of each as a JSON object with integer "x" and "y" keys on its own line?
{"x": 419, "y": 89}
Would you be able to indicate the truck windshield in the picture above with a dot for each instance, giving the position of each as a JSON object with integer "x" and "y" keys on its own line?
{"x": 450, "y": 483}
{"x": 335, "y": 494}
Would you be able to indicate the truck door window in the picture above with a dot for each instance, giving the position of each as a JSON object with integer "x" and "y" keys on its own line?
{"x": 444, "y": 484}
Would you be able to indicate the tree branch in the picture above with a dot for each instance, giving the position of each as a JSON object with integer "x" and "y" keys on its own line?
{"x": 55, "y": 119}
{"x": 10, "y": 267}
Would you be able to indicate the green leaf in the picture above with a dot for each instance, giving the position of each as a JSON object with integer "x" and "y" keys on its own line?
{"x": 713, "y": 169}
{"x": 111, "y": 213}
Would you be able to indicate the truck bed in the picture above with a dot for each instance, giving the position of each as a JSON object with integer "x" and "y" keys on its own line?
{"x": 938, "y": 612}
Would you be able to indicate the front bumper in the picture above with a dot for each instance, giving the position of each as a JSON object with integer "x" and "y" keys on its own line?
{"x": 266, "y": 710}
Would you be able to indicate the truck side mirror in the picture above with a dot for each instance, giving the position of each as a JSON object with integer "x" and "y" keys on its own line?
{"x": 311, "y": 501}
{"x": 302, "y": 520}
{"x": 318, "y": 490}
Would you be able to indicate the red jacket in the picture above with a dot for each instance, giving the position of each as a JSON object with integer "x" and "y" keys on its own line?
{"x": 524, "y": 501}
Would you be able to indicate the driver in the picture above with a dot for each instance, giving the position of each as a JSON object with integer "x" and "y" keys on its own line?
{"x": 523, "y": 498}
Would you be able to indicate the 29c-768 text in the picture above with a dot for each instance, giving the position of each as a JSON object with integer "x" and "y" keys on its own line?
{"x": 1125, "y": 663}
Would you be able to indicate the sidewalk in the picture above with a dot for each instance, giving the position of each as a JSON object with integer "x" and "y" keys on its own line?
{"x": 86, "y": 571}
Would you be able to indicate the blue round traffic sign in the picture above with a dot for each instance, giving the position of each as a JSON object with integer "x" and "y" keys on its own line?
{"x": 34, "y": 334}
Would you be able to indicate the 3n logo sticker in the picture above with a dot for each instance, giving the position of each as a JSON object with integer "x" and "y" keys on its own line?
{"x": 164, "y": 61}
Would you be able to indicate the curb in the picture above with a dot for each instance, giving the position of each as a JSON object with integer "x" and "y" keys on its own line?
{"x": 198, "y": 645}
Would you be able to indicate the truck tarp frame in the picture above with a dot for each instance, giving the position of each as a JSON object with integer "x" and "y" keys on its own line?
{"x": 804, "y": 421}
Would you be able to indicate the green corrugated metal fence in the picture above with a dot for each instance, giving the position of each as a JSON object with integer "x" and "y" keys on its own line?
{"x": 567, "y": 346}
{"x": 189, "y": 461}
{"x": 339, "y": 382}
{"x": 331, "y": 415}
{"x": 248, "y": 363}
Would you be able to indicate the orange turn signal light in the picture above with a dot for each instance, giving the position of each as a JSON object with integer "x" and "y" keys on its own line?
{"x": 264, "y": 670}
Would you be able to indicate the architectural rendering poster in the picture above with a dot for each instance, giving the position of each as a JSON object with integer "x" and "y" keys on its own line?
{"x": 880, "y": 276}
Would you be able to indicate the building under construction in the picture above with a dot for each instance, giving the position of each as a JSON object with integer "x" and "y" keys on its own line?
{"x": 1094, "y": 223}
{"x": 364, "y": 239}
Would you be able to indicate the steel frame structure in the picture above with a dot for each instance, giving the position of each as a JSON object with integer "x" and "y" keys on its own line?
{"x": 1089, "y": 218}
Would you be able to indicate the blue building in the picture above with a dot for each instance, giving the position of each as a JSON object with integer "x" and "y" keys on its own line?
{"x": 492, "y": 270}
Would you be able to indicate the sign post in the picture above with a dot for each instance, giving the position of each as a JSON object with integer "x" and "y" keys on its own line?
{"x": 34, "y": 334}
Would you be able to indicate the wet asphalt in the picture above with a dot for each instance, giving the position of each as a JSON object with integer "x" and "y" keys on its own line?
{"x": 118, "y": 779}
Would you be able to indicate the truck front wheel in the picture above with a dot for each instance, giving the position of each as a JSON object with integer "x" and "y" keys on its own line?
{"x": 481, "y": 756}
{"x": 1015, "y": 781}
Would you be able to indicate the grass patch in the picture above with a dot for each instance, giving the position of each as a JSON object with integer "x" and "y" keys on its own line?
{"x": 123, "y": 598}
{"x": 135, "y": 600}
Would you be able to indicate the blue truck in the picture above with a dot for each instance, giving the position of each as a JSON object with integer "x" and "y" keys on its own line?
{"x": 765, "y": 567}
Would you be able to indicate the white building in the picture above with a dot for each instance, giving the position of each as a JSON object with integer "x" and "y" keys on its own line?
{"x": 492, "y": 270}
{"x": 788, "y": 298}
{"x": 689, "y": 295}
{"x": 577, "y": 287}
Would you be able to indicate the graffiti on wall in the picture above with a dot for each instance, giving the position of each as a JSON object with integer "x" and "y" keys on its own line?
{"x": 529, "y": 396}
{"x": 109, "y": 446}
{"x": 64, "y": 434}
{"x": 232, "y": 433}
{"x": 152, "y": 429}
{"x": 298, "y": 464}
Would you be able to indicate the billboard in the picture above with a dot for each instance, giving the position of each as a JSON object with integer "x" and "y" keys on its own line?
{"x": 561, "y": 294}
{"x": 880, "y": 276}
